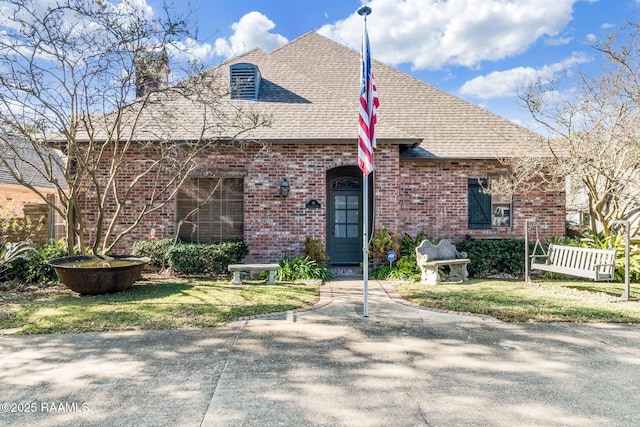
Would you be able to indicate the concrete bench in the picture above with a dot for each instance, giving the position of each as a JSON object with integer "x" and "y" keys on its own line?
{"x": 430, "y": 257}
{"x": 236, "y": 269}
{"x": 590, "y": 263}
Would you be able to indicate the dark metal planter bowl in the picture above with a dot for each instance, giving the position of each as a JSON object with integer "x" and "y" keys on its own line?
{"x": 96, "y": 275}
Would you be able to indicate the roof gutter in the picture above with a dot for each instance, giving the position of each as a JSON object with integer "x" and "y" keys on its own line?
{"x": 411, "y": 142}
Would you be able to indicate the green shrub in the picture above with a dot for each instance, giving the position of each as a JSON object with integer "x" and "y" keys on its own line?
{"x": 382, "y": 242}
{"x": 10, "y": 252}
{"x": 407, "y": 262}
{"x": 205, "y": 259}
{"x": 187, "y": 259}
{"x": 156, "y": 250}
{"x": 405, "y": 268}
{"x": 382, "y": 272}
{"x": 489, "y": 256}
{"x": 409, "y": 244}
{"x": 35, "y": 269}
{"x": 302, "y": 268}
{"x": 617, "y": 242}
{"x": 314, "y": 249}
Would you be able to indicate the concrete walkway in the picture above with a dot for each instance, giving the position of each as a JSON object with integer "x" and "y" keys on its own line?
{"x": 330, "y": 366}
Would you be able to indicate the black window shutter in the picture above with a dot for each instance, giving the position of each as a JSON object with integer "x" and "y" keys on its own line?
{"x": 479, "y": 205}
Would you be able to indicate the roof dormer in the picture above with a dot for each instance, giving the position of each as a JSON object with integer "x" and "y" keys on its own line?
{"x": 245, "y": 81}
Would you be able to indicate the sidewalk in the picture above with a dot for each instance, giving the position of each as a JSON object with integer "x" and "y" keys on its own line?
{"x": 401, "y": 366}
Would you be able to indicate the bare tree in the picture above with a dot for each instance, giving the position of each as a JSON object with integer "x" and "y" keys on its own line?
{"x": 90, "y": 79}
{"x": 597, "y": 128}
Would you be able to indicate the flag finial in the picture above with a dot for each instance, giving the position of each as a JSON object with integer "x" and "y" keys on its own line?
{"x": 364, "y": 11}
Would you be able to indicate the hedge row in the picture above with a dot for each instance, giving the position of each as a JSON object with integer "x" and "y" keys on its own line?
{"x": 488, "y": 256}
{"x": 192, "y": 258}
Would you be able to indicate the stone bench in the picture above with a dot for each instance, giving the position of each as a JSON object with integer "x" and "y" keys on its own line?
{"x": 430, "y": 257}
{"x": 236, "y": 269}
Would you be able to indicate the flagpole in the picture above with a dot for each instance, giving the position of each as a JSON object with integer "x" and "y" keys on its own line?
{"x": 364, "y": 11}
{"x": 365, "y": 241}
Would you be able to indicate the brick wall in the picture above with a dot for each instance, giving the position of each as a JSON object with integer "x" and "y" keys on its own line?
{"x": 273, "y": 226}
{"x": 25, "y": 207}
{"x": 31, "y": 225}
{"x": 434, "y": 200}
{"x": 18, "y": 196}
{"x": 410, "y": 196}
{"x": 161, "y": 221}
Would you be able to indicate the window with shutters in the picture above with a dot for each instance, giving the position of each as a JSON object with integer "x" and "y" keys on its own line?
{"x": 486, "y": 211}
{"x": 210, "y": 210}
{"x": 479, "y": 204}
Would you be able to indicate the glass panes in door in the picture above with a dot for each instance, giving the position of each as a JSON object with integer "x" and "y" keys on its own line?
{"x": 346, "y": 219}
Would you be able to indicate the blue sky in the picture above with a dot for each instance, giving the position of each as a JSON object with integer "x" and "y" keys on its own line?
{"x": 480, "y": 50}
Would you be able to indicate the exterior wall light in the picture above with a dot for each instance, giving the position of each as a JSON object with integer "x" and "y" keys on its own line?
{"x": 284, "y": 188}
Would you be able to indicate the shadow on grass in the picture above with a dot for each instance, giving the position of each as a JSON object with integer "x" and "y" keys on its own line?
{"x": 613, "y": 289}
{"x": 142, "y": 291}
{"x": 537, "y": 302}
{"x": 152, "y": 305}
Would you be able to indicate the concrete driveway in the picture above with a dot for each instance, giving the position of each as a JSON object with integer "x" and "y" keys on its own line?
{"x": 330, "y": 366}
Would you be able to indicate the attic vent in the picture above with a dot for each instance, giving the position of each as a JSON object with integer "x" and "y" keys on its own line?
{"x": 245, "y": 81}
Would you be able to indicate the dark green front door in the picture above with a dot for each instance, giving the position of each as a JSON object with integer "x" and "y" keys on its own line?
{"x": 346, "y": 229}
{"x": 344, "y": 226}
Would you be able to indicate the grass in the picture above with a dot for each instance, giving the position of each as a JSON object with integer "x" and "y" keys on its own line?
{"x": 148, "y": 305}
{"x": 517, "y": 301}
{"x": 178, "y": 303}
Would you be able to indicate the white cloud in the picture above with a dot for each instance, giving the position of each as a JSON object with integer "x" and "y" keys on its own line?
{"x": 558, "y": 41}
{"x": 135, "y": 7}
{"x": 498, "y": 84}
{"x": 192, "y": 51}
{"x": 430, "y": 34}
{"x": 77, "y": 23}
{"x": 501, "y": 84}
{"x": 253, "y": 30}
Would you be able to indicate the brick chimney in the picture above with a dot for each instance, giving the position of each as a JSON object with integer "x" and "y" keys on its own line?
{"x": 152, "y": 70}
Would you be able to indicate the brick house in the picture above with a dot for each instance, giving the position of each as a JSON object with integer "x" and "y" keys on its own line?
{"x": 434, "y": 152}
{"x": 22, "y": 203}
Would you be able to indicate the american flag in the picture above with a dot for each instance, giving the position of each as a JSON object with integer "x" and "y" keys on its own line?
{"x": 368, "y": 106}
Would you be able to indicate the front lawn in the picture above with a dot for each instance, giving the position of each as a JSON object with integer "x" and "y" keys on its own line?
{"x": 170, "y": 304}
{"x": 517, "y": 301}
{"x": 179, "y": 303}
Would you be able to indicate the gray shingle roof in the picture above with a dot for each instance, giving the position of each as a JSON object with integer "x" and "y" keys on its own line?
{"x": 310, "y": 88}
{"x": 27, "y": 164}
{"x": 326, "y": 74}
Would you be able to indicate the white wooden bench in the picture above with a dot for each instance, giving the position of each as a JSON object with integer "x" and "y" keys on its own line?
{"x": 430, "y": 257}
{"x": 590, "y": 263}
{"x": 236, "y": 269}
